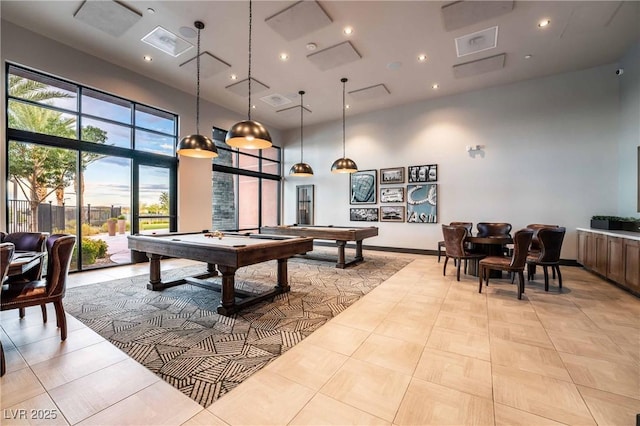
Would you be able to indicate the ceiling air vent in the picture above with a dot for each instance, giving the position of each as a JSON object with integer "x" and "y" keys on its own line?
{"x": 276, "y": 100}
{"x": 109, "y": 16}
{"x": 461, "y": 14}
{"x": 242, "y": 87}
{"x": 477, "y": 42}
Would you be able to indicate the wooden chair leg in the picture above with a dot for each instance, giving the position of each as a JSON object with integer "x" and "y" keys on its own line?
{"x": 43, "y": 307}
{"x": 61, "y": 319}
{"x": 546, "y": 278}
{"x": 458, "y": 270}
{"x": 521, "y": 284}
{"x": 3, "y": 365}
{"x": 21, "y": 312}
{"x": 557, "y": 268}
{"x": 439, "y": 251}
{"x": 444, "y": 269}
{"x": 479, "y": 279}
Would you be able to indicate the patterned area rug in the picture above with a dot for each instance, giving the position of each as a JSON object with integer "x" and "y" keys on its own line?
{"x": 177, "y": 334}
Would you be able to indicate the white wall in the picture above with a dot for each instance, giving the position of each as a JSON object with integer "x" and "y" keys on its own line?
{"x": 549, "y": 156}
{"x": 24, "y": 47}
{"x": 629, "y": 133}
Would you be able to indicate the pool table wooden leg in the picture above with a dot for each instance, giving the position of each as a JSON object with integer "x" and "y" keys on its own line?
{"x": 228, "y": 298}
{"x": 341, "y": 245}
{"x": 155, "y": 282}
{"x": 283, "y": 276}
{"x": 359, "y": 257}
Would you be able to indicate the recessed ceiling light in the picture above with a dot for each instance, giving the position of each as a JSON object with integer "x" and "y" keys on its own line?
{"x": 347, "y": 106}
{"x": 435, "y": 86}
{"x": 422, "y": 57}
{"x": 253, "y": 106}
{"x": 312, "y": 46}
{"x": 284, "y": 56}
{"x": 234, "y": 77}
{"x": 147, "y": 58}
{"x": 544, "y": 23}
{"x": 348, "y": 30}
{"x": 528, "y": 56}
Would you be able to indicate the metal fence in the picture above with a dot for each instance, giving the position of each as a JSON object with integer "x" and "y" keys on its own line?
{"x": 52, "y": 218}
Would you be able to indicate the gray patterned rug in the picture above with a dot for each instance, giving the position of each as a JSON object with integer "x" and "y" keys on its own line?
{"x": 177, "y": 334}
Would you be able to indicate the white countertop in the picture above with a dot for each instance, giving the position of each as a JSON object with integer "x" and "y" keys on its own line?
{"x": 621, "y": 234}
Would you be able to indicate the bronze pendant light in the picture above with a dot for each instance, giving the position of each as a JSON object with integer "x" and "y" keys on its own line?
{"x": 197, "y": 145}
{"x": 249, "y": 134}
{"x": 301, "y": 168}
{"x": 344, "y": 164}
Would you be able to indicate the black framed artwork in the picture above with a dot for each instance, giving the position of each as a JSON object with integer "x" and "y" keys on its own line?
{"x": 426, "y": 173}
{"x": 363, "y": 187}
{"x": 392, "y": 194}
{"x": 394, "y": 175}
{"x": 363, "y": 214}
{"x": 391, "y": 213}
{"x": 422, "y": 203}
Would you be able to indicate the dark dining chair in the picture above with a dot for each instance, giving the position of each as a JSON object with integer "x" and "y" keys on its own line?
{"x": 6, "y": 253}
{"x": 493, "y": 229}
{"x": 550, "y": 240}
{"x": 51, "y": 289}
{"x": 454, "y": 240}
{"x": 468, "y": 225}
{"x": 28, "y": 241}
{"x": 513, "y": 264}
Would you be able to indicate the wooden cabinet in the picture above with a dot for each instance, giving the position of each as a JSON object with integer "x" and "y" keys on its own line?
{"x": 615, "y": 257}
{"x": 632, "y": 265}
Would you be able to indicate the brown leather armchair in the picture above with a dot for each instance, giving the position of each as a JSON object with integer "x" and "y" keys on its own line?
{"x": 468, "y": 225}
{"x": 550, "y": 240}
{"x": 492, "y": 229}
{"x": 513, "y": 264}
{"x": 454, "y": 237}
{"x": 27, "y": 241}
{"x": 51, "y": 289}
{"x": 6, "y": 253}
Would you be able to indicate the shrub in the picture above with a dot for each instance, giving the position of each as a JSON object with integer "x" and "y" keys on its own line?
{"x": 91, "y": 250}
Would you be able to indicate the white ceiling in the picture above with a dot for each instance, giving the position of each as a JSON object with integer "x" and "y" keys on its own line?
{"x": 388, "y": 35}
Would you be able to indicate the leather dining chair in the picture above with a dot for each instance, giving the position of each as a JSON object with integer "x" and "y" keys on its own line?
{"x": 28, "y": 241}
{"x": 6, "y": 253}
{"x": 51, "y": 289}
{"x": 513, "y": 264}
{"x": 468, "y": 225}
{"x": 454, "y": 240}
{"x": 550, "y": 240}
{"x": 493, "y": 229}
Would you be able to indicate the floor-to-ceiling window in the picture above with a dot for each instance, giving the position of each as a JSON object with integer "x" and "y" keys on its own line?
{"x": 87, "y": 163}
{"x": 246, "y": 186}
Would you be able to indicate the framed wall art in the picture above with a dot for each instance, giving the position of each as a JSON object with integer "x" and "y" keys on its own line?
{"x": 392, "y": 214}
{"x": 392, "y": 194}
{"x": 422, "y": 203}
{"x": 363, "y": 214}
{"x": 363, "y": 187}
{"x": 428, "y": 173}
{"x": 395, "y": 175}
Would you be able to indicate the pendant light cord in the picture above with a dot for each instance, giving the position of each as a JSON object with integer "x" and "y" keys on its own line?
{"x": 198, "y": 83}
{"x": 344, "y": 154}
{"x": 250, "y": 21}
{"x": 301, "y": 114}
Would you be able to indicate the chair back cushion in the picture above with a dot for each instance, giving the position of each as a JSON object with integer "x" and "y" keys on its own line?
{"x": 521, "y": 243}
{"x": 535, "y": 244}
{"x": 6, "y": 253}
{"x": 486, "y": 229}
{"x": 550, "y": 244}
{"x": 28, "y": 241}
{"x": 60, "y": 250}
{"x": 468, "y": 225}
{"x": 454, "y": 240}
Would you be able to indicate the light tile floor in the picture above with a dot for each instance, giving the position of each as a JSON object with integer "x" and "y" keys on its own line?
{"x": 419, "y": 349}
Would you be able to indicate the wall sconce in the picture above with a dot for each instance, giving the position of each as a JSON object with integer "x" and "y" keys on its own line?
{"x": 471, "y": 148}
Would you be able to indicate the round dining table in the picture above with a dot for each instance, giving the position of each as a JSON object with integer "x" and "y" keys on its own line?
{"x": 489, "y": 245}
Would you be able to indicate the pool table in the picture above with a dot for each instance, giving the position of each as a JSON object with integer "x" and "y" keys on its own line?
{"x": 341, "y": 234}
{"x": 224, "y": 253}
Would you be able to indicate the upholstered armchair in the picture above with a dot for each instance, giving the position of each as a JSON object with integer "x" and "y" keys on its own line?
{"x": 513, "y": 264}
{"x": 468, "y": 225}
{"x": 23, "y": 294}
{"x": 454, "y": 241}
{"x": 6, "y": 253}
{"x": 550, "y": 241}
